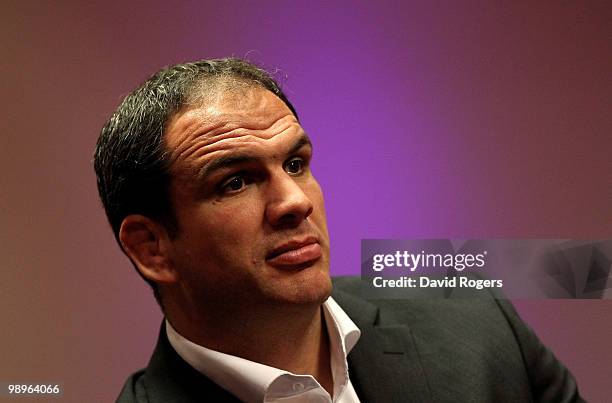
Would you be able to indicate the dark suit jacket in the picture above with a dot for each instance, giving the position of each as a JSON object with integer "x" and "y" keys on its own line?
{"x": 418, "y": 350}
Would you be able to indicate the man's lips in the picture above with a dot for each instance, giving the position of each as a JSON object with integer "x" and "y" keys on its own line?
{"x": 295, "y": 253}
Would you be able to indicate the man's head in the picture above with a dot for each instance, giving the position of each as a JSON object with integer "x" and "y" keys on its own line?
{"x": 204, "y": 175}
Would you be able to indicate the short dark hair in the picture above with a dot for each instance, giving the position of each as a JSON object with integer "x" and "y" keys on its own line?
{"x": 131, "y": 158}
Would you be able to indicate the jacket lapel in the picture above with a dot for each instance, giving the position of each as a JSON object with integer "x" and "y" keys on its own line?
{"x": 384, "y": 365}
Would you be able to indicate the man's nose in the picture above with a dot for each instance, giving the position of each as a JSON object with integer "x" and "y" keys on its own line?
{"x": 288, "y": 204}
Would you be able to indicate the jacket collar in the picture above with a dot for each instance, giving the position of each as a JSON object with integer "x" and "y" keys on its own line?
{"x": 169, "y": 379}
{"x": 384, "y": 366}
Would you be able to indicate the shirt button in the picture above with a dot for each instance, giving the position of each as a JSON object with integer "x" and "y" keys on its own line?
{"x": 298, "y": 387}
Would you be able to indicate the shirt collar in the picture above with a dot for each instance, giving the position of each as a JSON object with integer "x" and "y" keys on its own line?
{"x": 336, "y": 318}
{"x": 248, "y": 380}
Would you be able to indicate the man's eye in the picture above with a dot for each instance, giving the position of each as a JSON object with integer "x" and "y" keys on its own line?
{"x": 294, "y": 166}
{"x": 234, "y": 184}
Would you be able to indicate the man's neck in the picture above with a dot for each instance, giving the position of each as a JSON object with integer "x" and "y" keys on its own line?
{"x": 293, "y": 339}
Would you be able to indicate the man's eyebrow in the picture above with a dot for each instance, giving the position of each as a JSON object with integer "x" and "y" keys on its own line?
{"x": 229, "y": 161}
{"x": 301, "y": 142}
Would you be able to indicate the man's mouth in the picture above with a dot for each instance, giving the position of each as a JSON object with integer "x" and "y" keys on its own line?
{"x": 295, "y": 253}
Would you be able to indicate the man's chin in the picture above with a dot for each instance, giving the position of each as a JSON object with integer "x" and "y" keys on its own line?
{"x": 308, "y": 286}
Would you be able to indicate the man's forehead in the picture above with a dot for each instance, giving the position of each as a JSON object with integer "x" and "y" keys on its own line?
{"x": 242, "y": 153}
{"x": 228, "y": 101}
{"x": 227, "y": 109}
{"x": 203, "y": 129}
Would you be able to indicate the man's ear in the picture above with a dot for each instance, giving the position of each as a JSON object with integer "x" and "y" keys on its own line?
{"x": 147, "y": 244}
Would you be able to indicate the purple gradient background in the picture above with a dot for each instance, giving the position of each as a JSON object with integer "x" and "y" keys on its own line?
{"x": 430, "y": 120}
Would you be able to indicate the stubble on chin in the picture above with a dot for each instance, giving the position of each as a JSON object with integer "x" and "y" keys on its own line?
{"x": 310, "y": 288}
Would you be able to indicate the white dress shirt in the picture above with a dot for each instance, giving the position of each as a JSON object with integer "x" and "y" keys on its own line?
{"x": 254, "y": 382}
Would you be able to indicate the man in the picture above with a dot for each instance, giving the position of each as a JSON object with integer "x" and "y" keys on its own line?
{"x": 204, "y": 172}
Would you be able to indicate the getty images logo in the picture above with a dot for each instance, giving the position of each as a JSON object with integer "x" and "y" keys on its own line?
{"x": 414, "y": 261}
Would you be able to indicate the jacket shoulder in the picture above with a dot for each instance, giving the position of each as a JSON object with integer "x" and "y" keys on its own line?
{"x": 482, "y": 336}
{"x": 133, "y": 389}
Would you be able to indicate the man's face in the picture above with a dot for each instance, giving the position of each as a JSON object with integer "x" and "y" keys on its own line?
{"x": 251, "y": 219}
